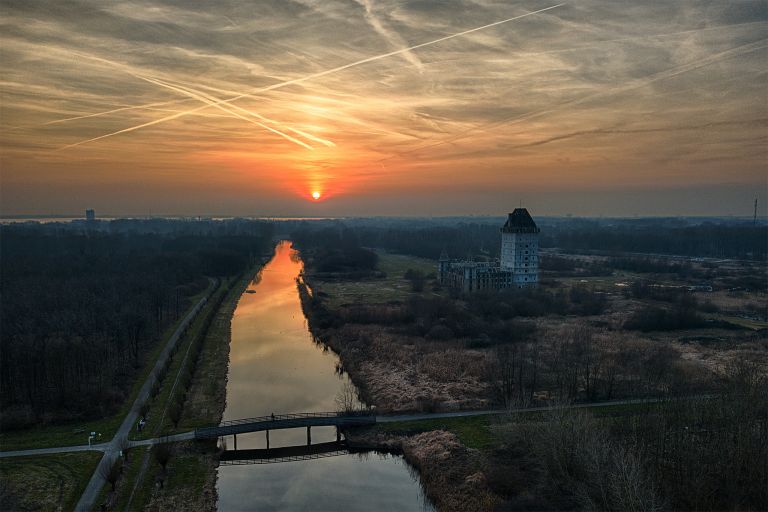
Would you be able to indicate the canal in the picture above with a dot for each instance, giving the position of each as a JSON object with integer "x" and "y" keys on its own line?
{"x": 276, "y": 367}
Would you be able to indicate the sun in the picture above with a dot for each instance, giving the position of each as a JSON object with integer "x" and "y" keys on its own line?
{"x": 315, "y": 195}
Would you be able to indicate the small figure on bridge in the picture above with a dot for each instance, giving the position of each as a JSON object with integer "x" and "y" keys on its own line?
{"x": 273, "y": 416}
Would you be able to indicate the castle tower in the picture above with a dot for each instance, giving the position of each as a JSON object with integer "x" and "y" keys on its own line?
{"x": 520, "y": 248}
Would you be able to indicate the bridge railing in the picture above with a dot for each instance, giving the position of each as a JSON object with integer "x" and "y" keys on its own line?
{"x": 298, "y": 415}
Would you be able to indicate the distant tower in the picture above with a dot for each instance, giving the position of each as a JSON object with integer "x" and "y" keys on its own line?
{"x": 90, "y": 215}
{"x": 520, "y": 248}
{"x": 442, "y": 266}
{"x": 754, "y": 219}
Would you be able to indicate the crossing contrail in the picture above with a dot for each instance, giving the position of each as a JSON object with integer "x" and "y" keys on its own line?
{"x": 208, "y": 101}
{"x": 113, "y": 111}
{"x": 186, "y": 89}
{"x": 313, "y": 76}
{"x": 212, "y": 101}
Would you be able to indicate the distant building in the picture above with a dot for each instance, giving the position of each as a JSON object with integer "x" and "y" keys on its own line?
{"x": 518, "y": 266}
{"x": 90, "y": 215}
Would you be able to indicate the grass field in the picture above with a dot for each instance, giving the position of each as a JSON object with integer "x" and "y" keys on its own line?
{"x": 478, "y": 431}
{"x": 47, "y": 482}
{"x": 472, "y": 431}
{"x": 393, "y": 287}
{"x": 754, "y": 325}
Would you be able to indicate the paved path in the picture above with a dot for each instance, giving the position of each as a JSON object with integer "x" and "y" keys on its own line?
{"x": 112, "y": 449}
{"x": 461, "y": 414}
{"x": 101, "y": 447}
{"x": 188, "y": 436}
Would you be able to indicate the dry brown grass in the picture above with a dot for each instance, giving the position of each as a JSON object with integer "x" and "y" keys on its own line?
{"x": 451, "y": 473}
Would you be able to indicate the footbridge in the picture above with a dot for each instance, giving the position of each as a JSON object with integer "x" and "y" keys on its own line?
{"x": 282, "y": 421}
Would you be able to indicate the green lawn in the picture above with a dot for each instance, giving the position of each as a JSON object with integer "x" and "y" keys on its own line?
{"x": 472, "y": 431}
{"x": 45, "y": 482}
{"x": 754, "y": 325}
{"x": 393, "y": 287}
{"x": 478, "y": 431}
{"x": 76, "y": 433}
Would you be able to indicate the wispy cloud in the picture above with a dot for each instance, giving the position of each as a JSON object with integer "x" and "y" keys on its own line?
{"x": 392, "y": 37}
{"x": 595, "y": 92}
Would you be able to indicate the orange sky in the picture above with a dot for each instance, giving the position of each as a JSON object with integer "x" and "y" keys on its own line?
{"x": 590, "y": 107}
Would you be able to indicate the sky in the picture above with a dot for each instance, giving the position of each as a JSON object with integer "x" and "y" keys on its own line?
{"x": 383, "y": 107}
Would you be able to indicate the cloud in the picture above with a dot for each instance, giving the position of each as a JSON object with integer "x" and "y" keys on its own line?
{"x": 392, "y": 37}
{"x": 573, "y": 93}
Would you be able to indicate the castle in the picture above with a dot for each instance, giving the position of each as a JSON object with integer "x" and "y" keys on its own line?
{"x": 518, "y": 266}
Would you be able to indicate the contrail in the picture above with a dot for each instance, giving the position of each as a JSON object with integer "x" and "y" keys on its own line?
{"x": 575, "y": 48}
{"x": 209, "y": 100}
{"x": 634, "y": 84}
{"x": 121, "y": 109}
{"x": 229, "y": 108}
{"x": 314, "y": 75}
{"x": 392, "y": 37}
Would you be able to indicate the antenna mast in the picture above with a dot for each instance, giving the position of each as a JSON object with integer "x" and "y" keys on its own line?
{"x": 754, "y": 219}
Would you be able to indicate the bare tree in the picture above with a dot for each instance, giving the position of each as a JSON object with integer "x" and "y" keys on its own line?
{"x": 162, "y": 453}
{"x": 504, "y": 370}
{"x": 347, "y": 399}
{"x": 111, "y": 472}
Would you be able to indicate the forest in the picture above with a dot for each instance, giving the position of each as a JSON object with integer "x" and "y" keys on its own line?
{"x": 83, "y": 308}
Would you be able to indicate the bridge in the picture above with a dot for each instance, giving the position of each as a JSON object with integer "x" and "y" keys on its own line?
{"x": 282, "y": 421}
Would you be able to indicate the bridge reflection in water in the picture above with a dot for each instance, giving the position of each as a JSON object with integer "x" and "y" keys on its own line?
{"x": 283, "y": 454}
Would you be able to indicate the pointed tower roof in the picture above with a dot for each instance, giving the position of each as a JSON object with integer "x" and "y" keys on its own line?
{"x": 520, "y": 221}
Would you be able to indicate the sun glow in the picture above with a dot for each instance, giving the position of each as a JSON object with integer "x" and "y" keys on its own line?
{"x": 315, "y": 195}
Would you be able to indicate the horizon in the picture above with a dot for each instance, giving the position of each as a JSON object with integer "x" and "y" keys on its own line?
{"x": 202, "y": 217}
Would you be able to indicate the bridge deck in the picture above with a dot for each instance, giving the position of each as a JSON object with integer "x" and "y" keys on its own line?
{"x": 282, "y": 421}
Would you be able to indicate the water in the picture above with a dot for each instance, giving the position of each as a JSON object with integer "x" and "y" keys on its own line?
{"x": 275, "y": 366}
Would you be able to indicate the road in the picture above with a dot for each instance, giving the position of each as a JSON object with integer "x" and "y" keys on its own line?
{"x": 112, "y": 449}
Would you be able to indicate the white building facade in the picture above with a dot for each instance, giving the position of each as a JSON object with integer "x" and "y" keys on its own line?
{"x": 518, "y": 266}
{"x": 520, "y": 248}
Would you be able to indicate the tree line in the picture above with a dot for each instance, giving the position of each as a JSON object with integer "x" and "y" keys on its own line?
{"x": 482, "y": 239}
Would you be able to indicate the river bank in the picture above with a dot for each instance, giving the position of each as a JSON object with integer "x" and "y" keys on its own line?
{"x": 451, "y": 474}
{"x": 189, "y": 479}
{"x": 277, "y": 366}
{"x": 386, "y": 372}
{"x": 394, "y": 371}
